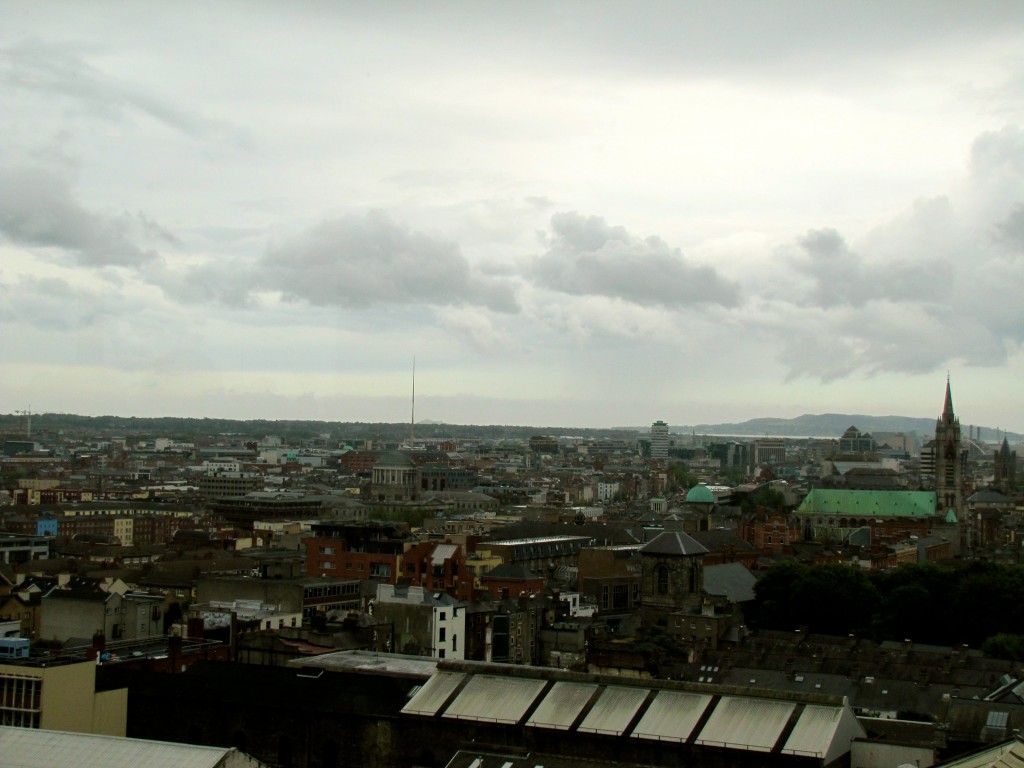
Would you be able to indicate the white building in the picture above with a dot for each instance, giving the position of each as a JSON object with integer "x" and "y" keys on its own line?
{"x": 424, "y": 623}
{"x": 659, "y": 440}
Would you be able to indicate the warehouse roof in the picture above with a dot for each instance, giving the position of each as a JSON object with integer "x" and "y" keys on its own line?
{"x": 34, "y": 748}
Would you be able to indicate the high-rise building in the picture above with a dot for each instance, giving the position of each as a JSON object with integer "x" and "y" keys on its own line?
{"x": 659, "y": 441}
{"x": 770, "y": 451}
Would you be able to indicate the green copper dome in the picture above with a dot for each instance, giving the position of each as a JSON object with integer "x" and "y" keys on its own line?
{"x": 700, "y": 494}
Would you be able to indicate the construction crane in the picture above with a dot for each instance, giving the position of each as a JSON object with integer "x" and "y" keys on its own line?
{"x": 28, "y": 421}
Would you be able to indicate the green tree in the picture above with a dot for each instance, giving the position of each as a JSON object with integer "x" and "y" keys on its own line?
{"x": 658, "y": 648}
{"x": 915, "y": 603}
{"x": 836, "y": 599}
{"x": 679, "y": 476}
{"x": 773, "y": 592}
{"x": 1005, "y": 646}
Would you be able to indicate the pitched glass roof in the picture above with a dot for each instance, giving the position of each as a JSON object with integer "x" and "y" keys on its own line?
{"x": 614, "y": 710}
{"x": 563, "y": 704}
{"x": 672, "y": 716}
{"x": 495, "y": 699}
{"x": 434, "y": 693}
{"x": 742, "y": 723}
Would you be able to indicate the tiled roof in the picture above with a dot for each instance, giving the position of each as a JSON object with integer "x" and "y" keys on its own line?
{"x": 673, "y": 543}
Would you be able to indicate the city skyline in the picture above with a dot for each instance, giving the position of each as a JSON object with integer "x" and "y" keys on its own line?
{"x": 568, "y": 214}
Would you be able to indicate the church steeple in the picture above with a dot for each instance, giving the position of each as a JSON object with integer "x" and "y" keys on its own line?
{"x": 947, "y": 407}
{"x": 950, "y": 460}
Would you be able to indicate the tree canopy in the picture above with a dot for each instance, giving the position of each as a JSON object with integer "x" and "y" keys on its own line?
{"x": 978, "y": 604}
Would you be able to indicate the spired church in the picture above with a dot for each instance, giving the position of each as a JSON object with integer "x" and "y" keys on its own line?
{"x": 950, "y": 459}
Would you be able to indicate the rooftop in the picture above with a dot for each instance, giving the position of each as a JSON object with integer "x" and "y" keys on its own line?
{"x": 36, "y": 748}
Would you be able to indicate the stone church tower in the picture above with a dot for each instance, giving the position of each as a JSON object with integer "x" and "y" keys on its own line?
{"x": 950, "y": 459}
{"x": 1006, "y": 469}
{"x": 672, "y": 568}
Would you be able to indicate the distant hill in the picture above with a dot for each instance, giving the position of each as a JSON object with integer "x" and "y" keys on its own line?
{"x": 49, "y": 425}
{"x": 829, "y": 425}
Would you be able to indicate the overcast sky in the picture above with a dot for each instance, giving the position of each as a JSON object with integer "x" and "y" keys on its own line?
{"x": 580, "y": 214}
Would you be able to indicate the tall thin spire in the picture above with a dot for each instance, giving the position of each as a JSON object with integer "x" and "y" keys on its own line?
{"x": 412, "y": 418}
{"x": 947, "y": 407}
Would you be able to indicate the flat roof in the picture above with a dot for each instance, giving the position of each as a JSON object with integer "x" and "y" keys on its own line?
{"x": 368, "y": 661}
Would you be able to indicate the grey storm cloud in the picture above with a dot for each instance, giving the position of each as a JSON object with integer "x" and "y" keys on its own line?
{"x": 842, "y": 277}
{"x": 358, "y": 262}
{"x": 54, "y": 304}
{"x": 586, "y": 256}
{"x": 37, "y": 208}
{"x": 1011, "y": 230}
{"x": 936, "y": 284}
{"x": 62, "y": 70}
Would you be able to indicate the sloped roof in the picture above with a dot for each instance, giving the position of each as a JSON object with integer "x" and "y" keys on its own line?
{"x": 443, "y": 552}
{"x": 673, "y": 543}
{"x": 734, "y": 580}
{"x": 828, "y": 501}
{"x": 509, "y": 571}
{"x": 988, "y": 497}
{"x": 35, "y": 748}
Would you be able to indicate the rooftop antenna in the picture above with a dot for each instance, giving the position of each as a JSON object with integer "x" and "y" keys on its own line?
{"x": 412, "y": 418}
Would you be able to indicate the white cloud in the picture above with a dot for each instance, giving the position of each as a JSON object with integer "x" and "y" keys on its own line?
{"x": 37, "y": 209}
{"x": 586, "y": 256}
{"x": 694, "y": 201}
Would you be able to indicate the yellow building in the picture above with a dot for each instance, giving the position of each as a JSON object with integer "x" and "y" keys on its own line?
{"x": 60, "y": 696}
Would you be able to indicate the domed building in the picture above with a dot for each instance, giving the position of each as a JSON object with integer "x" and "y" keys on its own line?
{"x": 701, "y": 500}
{"x": 395, "y": 478}
{"x": 700, "y": 494}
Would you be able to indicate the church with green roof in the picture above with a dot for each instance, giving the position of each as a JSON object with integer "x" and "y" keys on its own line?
{"x": 832, "y": 514}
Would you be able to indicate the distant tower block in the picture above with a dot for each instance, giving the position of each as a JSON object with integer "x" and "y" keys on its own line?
{"x": 659, "y": 441}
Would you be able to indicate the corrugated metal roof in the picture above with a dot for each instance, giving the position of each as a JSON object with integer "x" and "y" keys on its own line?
{"x": 672, "y": 716}
{"x": 495, "y": 699}
{"x": 613, "y": 711}
{"x": 741, "y": 723}
{"x": 562, "y": 705}
{"x": 34, "y": 748}
{"x": 434, "y": 693}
